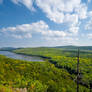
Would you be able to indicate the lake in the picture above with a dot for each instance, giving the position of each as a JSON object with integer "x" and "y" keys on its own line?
{"x": 21, "y": 57}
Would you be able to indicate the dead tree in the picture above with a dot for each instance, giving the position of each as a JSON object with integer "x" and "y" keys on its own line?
{"x": 78, "y": 74}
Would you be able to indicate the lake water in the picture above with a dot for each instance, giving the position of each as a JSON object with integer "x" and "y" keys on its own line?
{"x": 20, "y": 57}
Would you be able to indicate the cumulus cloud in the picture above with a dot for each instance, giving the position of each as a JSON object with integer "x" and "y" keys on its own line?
{"x": 40, "y": 27}
{"x": 27, "y": 3}
{"x": 74, "y": 30}
{"x": 71, "y": 19}
{"x": 89, "y": 36}
{"x": 69, "y": 12}
{"x": 62, "y": 41}
{"x": 88, "y": 25}
{"x": 90, "y": 13}
{"x": 26, "y": 30}
{"x": 82, "y": 11}
{"x": 55, "y": 33}
{"x": 56, "y": 9}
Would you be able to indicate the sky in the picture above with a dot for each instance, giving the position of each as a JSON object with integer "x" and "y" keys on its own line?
{"x": 34, "y": 23}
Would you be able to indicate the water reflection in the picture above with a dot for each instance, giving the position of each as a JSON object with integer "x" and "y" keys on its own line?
{"x": 20, "y": 57}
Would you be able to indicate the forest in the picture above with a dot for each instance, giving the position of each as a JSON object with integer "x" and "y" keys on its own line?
{"x": 56, "y": 74}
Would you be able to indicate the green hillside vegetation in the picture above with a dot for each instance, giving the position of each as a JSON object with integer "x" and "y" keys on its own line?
{"x": 75, "y": 47}
{"x": 7, "y": 49}
{"x": 66, "y": 60}
{"x": 35, "y": 77}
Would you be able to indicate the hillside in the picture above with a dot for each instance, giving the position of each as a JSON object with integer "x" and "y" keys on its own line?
{"x": 75, "y": 47}
{"x": 65, "y": 60}
{"x": 56, "y": 74}
{"x": 7, "y": 49}
{"x": 34, "y": 77}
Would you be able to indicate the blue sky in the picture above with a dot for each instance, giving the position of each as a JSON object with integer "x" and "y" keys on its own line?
{"x": 33, "y": 23}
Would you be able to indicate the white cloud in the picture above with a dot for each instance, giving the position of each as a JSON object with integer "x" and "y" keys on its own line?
{"x": 28, "y": 35}
{"x": 16, "y": 36}
{"x": 88, "y": 25}
{"x": 69, "y": 12}
{"x": 73, "y": 23}
{"x": 25, "y": 30}
{"x": 40, "y": 27}
{"x": 15, "y": 1}
{"x": 90, "y": 14}
{"x": 74, "y": 30}
{"x": 82, "y": 11}
{"x": 56, "y": 9}
{"x": 71, "y": 19}
{"x": 27, "y": 3}
{"x": 54, "y": 33}
{"x": 58, "y": 5}
{"x": 62, "y": 40}
{"x": 89, "y": 1}
{"x": 89, "y": 36}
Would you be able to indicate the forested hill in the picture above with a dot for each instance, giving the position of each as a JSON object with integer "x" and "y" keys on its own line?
{"x": 8, "y": 48}
{"x": 56, "y": 74}
{"x": 70, "y": 47}
{"x": 65, "y": 60}
{"x": 16, "y": 75}
{"x": 75, "y": 47}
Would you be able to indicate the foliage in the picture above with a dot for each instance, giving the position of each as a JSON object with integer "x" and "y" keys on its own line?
{"x": 67, "y": 60}
{"x": 56, "y": 74}
{"x": 35, "y": 76}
